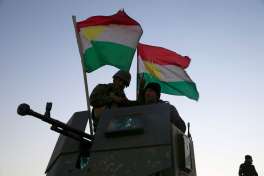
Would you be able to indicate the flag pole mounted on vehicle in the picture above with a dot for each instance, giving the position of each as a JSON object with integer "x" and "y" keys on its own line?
{"x": 84, "y": 74}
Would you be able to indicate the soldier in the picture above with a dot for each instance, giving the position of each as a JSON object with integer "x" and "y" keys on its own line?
{"x": 151, "y": 94}
{"x": 247, "y": 168}
{"x": 110, "y": 95}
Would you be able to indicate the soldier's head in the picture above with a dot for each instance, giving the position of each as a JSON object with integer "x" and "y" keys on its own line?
{"x": 248, "y": 159}
{"x": 152, "y": 93}
{"x": 121, "y": 79}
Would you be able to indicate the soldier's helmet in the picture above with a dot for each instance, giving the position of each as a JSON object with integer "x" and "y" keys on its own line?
{"x": 124, "y": 75}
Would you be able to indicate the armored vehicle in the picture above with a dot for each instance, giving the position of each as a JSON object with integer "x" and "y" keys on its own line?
{"x": 131, "y": 141}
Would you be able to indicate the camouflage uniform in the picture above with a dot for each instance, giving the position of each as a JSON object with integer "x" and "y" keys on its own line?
{"x": 100, "y": 98}
{"x": 110, "y": 95}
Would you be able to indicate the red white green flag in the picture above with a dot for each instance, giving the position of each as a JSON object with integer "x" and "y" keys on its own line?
{"x": 166, "y": 67}
{"x": 109, "y": 40}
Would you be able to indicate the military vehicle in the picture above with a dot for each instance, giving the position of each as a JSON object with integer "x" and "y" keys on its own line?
{"x": 131, "y": 141}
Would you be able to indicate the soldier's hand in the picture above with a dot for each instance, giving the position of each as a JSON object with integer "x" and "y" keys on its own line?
{"x": 116, "y": 98}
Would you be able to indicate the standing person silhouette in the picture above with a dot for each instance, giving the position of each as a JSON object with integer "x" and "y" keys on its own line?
{"x": 247, "y": 168}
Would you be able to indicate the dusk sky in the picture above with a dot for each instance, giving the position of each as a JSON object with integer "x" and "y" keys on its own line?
{"x": 40, "y": 62}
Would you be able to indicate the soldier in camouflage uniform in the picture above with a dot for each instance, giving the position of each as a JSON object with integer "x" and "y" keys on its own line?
{"x": 110, "y": 95}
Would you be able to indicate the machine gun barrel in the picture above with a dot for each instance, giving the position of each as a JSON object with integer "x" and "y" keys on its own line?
{"x": 60, "y": 127}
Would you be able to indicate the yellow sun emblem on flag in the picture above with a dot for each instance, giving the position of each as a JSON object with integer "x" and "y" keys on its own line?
{"x": 92, "y": 32}
{"x": 153, "y": 70}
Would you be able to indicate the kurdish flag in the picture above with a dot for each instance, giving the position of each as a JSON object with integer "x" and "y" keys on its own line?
{"x": 109, "y": 40}
{"x": 166, "y": 67}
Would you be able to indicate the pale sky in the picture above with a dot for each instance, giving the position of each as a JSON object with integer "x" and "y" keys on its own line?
{"x": 40, "y": 62}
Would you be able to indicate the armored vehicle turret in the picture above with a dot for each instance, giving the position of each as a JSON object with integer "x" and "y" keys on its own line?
{"x": 131, "y": 141}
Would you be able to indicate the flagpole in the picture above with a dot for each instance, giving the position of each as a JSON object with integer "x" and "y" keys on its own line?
{"x": 139, "y": 79}
{"x": 84, "y": 74}
{"x": 137, "y": 86}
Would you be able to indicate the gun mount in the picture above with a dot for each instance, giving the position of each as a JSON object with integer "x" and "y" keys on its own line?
{"x": 60, "y": 127}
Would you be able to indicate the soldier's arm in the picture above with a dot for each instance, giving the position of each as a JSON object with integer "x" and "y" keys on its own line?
{"x": 176, "y": 119}
{"x": 99, "y": 96}
{"x": 122, "y": 100}
{"x": 117, "y": 99}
